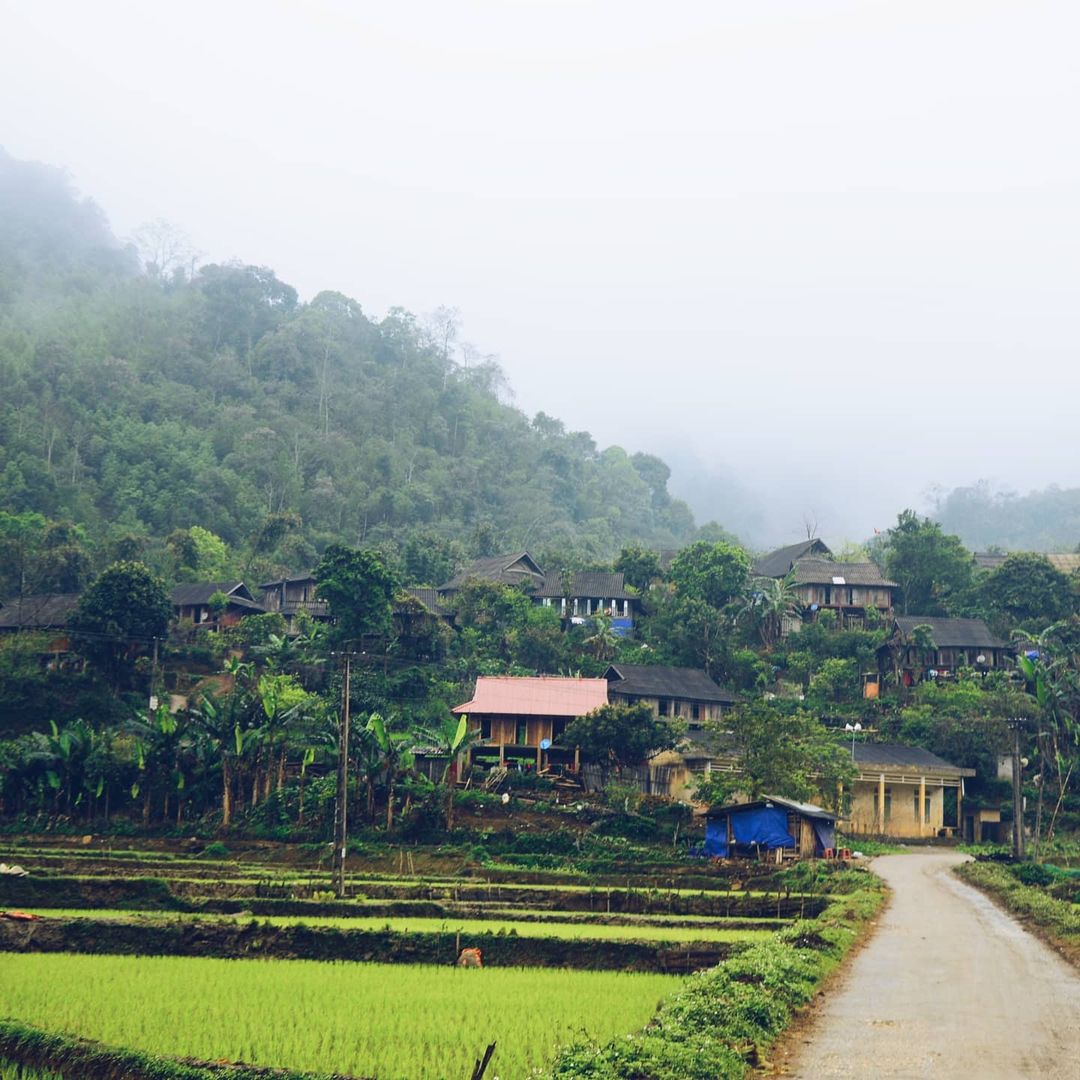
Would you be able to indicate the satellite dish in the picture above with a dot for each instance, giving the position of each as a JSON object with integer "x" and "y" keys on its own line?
{"x": 545, "y": 744}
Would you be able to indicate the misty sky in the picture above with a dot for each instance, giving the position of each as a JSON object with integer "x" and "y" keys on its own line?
{"x": 831, "y": 249}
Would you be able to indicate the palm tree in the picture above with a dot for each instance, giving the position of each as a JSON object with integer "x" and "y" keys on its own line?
{"x": 603, "y": 640}
{"x": 774, "y": 601}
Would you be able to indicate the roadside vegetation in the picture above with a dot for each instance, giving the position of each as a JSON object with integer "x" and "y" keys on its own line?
{"x": 1044, "y": 897}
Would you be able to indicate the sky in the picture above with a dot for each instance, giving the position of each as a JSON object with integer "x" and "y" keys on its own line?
{"x": 823, "y": 255}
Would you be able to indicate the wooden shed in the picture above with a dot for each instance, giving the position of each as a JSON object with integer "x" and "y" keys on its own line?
{"x": 768, "y": 826}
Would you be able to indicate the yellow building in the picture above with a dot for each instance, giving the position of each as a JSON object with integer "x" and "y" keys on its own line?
{"x": 904, "y": 792}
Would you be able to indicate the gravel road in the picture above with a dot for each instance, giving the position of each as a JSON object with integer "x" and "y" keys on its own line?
{"x": 948, "y": 986}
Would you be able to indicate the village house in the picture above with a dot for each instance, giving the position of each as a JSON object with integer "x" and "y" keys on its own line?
{"x": 778, "y": 563}
{"x": 769, "y": 827}
{"x": 590, "y": 593}
{"x": 521, "y": 718}
{"x": 517, "y": 569}
{"x": 192, "y": 601}
{"x": 953, "y": 643}
{"x": 677, "y": 693}
{"x": 904, "y": 792}
{"x": 1067, "y": 562}
{"x": 291, "y": 596}
{"x": 855, "y": 591}
{"x": 46, "y": 613}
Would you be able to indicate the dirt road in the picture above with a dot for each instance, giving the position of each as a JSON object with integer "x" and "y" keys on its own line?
{"x": 949, "y": 986}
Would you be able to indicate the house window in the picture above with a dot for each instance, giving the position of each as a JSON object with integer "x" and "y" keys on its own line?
{"x": 665, "y": 707}
{"x": 695, "y": 711}
{"x": 522, "y": 735}
{"x": 485, "y": 728}
{"x": 926, "y": 808}
{"x": 888, "y": 804}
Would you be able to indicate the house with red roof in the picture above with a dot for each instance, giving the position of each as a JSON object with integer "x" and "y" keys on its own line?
{"x": 522, "y": 718}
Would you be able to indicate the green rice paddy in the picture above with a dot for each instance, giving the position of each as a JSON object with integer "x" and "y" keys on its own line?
{"x": 393, "y": 1021}
{"x": 420, "y": 925}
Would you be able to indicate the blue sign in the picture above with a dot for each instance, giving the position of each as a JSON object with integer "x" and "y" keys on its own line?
{"x": 545, "y": 744}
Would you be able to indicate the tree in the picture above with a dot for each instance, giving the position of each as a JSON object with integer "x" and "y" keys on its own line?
{"x": 640, "y": 568}
{"x": 933, "y": 569}
{"x": 120, "y": 615}
{"x": 715, "y": 573}
{"x": 784, "y": 752}
{"x": 359, "y": 587}
{"x": 619, "y": 735}
{"x": 1027, "y": 589}
{"x": 775, "y": 601}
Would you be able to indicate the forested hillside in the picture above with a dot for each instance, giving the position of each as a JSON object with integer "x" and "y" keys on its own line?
{"x": 1047, "y": 520}
{"x": 141, "y": 399}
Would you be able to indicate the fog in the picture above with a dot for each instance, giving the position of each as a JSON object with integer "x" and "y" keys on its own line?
{"x": 828, "y": 252}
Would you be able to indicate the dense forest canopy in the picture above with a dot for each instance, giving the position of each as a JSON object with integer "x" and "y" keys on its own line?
{"x": 141, "y": 398}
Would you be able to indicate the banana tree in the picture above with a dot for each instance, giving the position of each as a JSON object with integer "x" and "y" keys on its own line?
{"x": 394, "y": 757}
{"x": 451, "y": 738}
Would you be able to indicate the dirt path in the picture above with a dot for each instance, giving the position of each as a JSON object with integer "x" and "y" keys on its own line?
{"x": 949, "y": 986}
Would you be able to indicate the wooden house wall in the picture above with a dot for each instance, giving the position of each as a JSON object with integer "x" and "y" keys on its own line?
{"x": 679, "y": 708}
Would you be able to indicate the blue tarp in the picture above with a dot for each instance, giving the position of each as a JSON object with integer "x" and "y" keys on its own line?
{"x": 764, "y": 826}
{"x": 716, "y": 837}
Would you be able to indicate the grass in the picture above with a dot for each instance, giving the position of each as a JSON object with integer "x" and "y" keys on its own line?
{"x": 1058, "y": 921}
{"x": 409, "y": 924}
{"x": 10, "y": 1071}
{"x": 419, "y": 1023}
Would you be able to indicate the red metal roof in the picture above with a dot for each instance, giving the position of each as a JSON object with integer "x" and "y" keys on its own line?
{"x": 544, "y": 695}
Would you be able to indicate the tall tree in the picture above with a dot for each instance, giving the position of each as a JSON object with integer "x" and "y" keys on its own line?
{"x": 359, "y": 587}
{"x": 119, "y": 616}
{"x": 716, "y": 573}
{"x": 932, "y": 568}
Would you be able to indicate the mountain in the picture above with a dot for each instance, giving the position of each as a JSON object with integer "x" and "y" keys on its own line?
{"x": 141, "y": 398}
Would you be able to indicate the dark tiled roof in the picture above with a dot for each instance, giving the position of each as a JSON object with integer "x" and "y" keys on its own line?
{"x": 988, "y": 560}
{"x": 952, "y": 633}
{"x": 646, "y": 680}
{"x": 431, "y": 599}
{"x": 199, "y": 592}
{"x": 897, "y": 756}
{"x": 288, "y": 580}
{"x": 824, "y": 572}
{"x": 586, "y": 583}
{"x": 500, "y": 569}
{"x": 805, "y": 809}
{"x": 777, "y": 563}
{"x": 45, "y": 611}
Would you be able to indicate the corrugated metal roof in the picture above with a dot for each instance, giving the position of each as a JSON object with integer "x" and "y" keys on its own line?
{"x": 542, "y": 695}
{"x": 647, "y": 680}
{"x": 826, "y": 572}
{"x": 891, "y": 756}
{"x": 806, "y": 809}
{"x": 952, "y": 633}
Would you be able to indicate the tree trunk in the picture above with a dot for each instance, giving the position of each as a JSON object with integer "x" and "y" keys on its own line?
{"x": 226, "y": 793}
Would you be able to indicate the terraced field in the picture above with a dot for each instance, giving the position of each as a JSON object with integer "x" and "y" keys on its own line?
{"x": 408, "y": 1022}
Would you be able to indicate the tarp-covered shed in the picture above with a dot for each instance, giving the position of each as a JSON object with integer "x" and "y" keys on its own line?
{"x": 769, "y": 824}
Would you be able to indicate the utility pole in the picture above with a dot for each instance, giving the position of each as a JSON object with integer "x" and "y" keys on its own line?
{"x": 341, "y": 832}
{"x": 1016, "y": 723}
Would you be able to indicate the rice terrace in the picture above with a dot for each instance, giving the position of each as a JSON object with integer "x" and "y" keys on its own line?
{"x": 173, "y": 958}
